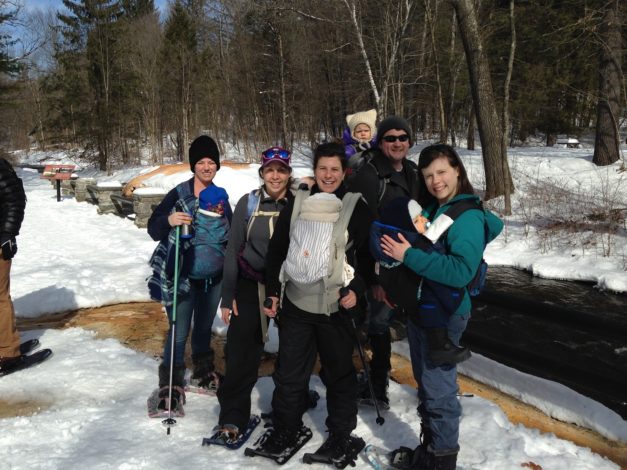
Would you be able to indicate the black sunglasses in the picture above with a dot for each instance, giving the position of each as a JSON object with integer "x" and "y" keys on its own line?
{"x": 394, "y": 138}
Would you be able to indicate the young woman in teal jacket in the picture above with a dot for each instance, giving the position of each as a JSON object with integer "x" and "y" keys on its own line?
{"x": 444, "y": 183}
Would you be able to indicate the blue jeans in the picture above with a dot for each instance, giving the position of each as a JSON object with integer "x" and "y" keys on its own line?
{"x": 201, "y": 304}
{"x": 439, "y": 407}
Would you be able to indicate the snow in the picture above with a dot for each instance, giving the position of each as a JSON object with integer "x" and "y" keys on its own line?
{"x": 92, "y": 392}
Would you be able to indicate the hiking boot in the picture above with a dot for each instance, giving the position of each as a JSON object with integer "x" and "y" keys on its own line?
{"x": 178, "y": 376}
{"x": 228, "y": 433}
{"x": 203, "y": 374}
{"x": 178, "y": 395}
{"x": 442, "y": 350}
{"x": 426, "y": 435}
{"x": 278, "y": 441}
{"x": 425, "y": 459}
{"x": 340, "y": 447}
{"x": 178, "y": 398}
{"x": 8, "y": 363}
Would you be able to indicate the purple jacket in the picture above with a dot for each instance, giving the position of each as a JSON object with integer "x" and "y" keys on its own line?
{"x": 352, "y": 146}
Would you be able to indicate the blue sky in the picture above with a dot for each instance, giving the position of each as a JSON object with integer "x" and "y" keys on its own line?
{"x": 56, "y": 4}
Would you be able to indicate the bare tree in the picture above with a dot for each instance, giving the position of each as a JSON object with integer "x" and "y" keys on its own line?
{"x": 606, "y": 145}
{"x": 144, "y": 42}
{"x": 352, "y": 10}
{"x": 430, "y": 16}
{"x": 506, "y": 126}
{"x": 490, "y": 127}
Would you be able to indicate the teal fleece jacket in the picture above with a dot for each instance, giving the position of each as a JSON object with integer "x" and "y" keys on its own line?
{"x": 464, "y": 244}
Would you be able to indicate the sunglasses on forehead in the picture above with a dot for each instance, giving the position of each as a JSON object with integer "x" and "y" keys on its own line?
{"x": 394, "y": 138}
{"x": 275, "y": 153}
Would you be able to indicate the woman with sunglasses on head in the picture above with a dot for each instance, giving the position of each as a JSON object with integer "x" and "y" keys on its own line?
{"x": 444, "y": 183}
{"x": 243, "y": 289}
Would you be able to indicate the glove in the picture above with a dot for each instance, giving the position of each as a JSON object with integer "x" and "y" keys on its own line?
{"x": 357, "y": 313}
{"x": 9, "y": 248}
{"x": 362, "y": 146}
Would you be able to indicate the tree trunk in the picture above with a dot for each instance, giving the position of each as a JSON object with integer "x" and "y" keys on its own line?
{"x": 506, "y": 127}
{"x": 440, "y": 98}
{"x": 606, "y": 144}
{"x": 470, "y": 138}
{"x": 352, "y": 9}
{"x": 490, "y": 127}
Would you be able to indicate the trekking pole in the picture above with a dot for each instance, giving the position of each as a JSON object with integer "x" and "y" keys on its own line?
{"x": 380, "y": 420}
{"x": 169, "y": 421}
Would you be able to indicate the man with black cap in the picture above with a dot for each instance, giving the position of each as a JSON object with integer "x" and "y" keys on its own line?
{"x": 388, "y": 174}
{"x": 198, "y": 293}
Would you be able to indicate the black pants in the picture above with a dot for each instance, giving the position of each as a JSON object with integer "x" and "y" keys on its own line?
{"x": 243, "y": 350}
{"x": 303, "y": 336}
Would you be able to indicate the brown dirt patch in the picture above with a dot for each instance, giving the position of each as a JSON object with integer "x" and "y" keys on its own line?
{"x": 143, "y": 326}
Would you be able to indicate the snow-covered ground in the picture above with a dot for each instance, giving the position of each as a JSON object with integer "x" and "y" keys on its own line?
{"x": 93, "y": 392}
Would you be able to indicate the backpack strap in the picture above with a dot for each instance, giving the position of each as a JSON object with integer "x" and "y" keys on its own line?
{"x": 301, "y": 195}
{"x": 252, "y": 212}
{"x": 439, "y": 227}
{"x": 340, "y": 239}
{"x": 383, "y": 181}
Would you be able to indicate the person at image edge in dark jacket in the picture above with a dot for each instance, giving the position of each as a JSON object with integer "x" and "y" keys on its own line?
{"x": 12, "y": 205}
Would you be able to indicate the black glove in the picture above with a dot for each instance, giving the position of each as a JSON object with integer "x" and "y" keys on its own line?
{"x": 9, "y": 248}
{"x": 355, "y": 313}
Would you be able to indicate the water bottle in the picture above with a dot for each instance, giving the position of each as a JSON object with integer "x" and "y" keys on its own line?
{"x": 187, "y": 231}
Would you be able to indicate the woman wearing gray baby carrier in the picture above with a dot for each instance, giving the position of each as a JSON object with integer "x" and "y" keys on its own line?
{"x": 318, "y": 238}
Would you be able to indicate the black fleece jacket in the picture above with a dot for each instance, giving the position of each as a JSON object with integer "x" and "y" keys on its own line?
{"x": 12, "y": 202}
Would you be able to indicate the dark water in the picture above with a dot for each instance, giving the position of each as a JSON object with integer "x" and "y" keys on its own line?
{"x": 564, "y": 331}
{"x": 580, "y": 296}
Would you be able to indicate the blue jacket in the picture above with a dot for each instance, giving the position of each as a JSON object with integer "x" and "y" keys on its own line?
{"x": 464, "y": 245}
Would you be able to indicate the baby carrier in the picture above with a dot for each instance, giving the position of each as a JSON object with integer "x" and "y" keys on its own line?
{"x": 315, "y": 267}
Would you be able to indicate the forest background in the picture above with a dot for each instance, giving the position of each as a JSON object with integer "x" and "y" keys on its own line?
{"x": 122, "y": 83}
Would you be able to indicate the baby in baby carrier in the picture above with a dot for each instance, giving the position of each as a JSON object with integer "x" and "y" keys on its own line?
{"x": 428, "y": 303}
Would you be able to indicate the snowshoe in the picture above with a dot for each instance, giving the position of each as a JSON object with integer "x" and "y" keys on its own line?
{"x": 206, "y": 386}
{"x": 23, "y": 362}
{"x": 158, "y": 403}
{"x": 338, "y": 450}
{"x": 381, "y": 459}
{"x": 279, "y": 445}
{"x": 28, "y": 346}
{"x": 230, "y": 437}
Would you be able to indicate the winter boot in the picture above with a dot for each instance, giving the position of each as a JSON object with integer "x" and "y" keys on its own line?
{"x": 278, "y": 441}
{"x": 442, "y": 350}
{"x": 178, "y": 377}
{"x": 381, "y": 346}
{"x": 425, "y": 459}
{"x": 426, "y": 435}
{"x": 340, "y": 449}
{"x": 204, "y": 374}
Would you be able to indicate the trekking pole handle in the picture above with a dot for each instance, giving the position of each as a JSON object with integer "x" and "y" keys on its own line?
{"x": 344, "y": 291}
{"x": 268, "y": 302}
